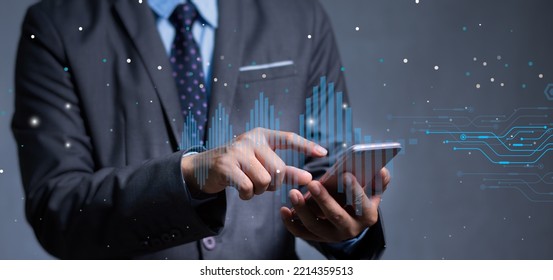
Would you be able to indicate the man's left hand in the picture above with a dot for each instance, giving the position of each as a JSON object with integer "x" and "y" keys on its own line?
{"x": 319, "y": 216}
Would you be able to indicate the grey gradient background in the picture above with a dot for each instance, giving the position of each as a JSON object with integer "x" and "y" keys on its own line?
{"x": 429, "y": 212}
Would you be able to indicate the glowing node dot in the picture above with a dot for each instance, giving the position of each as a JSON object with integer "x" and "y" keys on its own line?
{"x": 80, "y": 28}
{"x": 159, "y": 67}
{"x": 32, "y": 36}
{"x": 417, "y": 1}
{"x": 67, "y": 145}
{"x": 492, "y": 80}
{"x": 405, "y": 60}
{"x": 1, "y": 171}
{"x": 436, "y": 67}
{"x": 357, "y": 28}
{"x": 139, "y": 1}
{"x": 225, "y": 84}
{"x": 502, "y": 84}
{"x": 278, "y": 171}
{"x": 309, "y": 36}
{"x": 540, "y": 76}
{"x": 311, "y": 121}
{"x": 477, "y": 85}
{"x": 498, "y": 57}
{"x": 484, "y": 63}
{"x": 128, "y": 60}
{"x": 474, "y": 59}
{"x": 67, "y": 106}
{"x": 263, "y": 75}
{"x": 201, "y": 85}
{"x": 344, "y": 105}
{"x": 215, "y": 79}
{"x": 34, "y": 121}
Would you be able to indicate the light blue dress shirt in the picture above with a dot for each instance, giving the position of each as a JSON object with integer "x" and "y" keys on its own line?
{"x": 203, "y": 29}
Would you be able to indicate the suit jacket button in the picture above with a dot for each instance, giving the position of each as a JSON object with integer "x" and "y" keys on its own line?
{"x": 175, "y": 234}
{"x": 156, "y": 242}
{"x": 209, "y": 243}
{"x": 166, "y": 238}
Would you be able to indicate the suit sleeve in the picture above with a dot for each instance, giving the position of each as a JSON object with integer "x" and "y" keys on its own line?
{"x": 325, "y": 62}
{"x": 77, "y": 209}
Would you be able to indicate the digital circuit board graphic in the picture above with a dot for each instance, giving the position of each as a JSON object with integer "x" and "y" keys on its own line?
{"x": 520, "y": 143}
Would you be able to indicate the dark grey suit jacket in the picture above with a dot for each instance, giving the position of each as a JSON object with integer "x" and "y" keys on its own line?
{"x": 100, "y": 160}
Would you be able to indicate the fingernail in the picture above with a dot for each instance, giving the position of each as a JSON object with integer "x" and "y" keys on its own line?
{"x": 348, "y": 180}
{"x": 316, "y": 190}
{"x": 294, "y": 199}
{"x": 321, "y": 150}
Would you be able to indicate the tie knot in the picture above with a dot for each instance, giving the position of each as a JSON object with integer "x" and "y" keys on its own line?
{"x": 184, "y": 15}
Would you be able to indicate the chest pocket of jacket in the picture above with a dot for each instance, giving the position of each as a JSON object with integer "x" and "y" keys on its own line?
{"x": 274, "y": 89}
{"x": 270, "y": 71}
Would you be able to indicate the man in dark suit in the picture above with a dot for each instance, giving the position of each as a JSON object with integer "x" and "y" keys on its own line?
{"x": 98, "y": 123}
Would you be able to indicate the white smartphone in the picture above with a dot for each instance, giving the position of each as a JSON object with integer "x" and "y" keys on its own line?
{"x": 363, "y": 161}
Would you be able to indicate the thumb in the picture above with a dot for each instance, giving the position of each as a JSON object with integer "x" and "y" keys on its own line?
{"x": 297, "y": 176}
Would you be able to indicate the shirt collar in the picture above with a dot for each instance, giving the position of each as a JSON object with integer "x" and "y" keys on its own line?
{"x": 207, "y": 8}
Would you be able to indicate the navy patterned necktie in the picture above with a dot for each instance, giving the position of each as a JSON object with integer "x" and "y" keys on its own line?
{"x": 187, "y": 68}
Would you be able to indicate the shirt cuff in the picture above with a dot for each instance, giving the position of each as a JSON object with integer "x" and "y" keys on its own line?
{"x": 347, "y": 246}
{"x": 211, "y": 208}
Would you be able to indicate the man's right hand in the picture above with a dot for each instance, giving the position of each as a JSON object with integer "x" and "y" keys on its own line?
{"x": 249, "y": 163}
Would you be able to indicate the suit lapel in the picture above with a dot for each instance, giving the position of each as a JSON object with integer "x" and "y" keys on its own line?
{"x": 140, "y": 25}
{"x": 228, "y": 51}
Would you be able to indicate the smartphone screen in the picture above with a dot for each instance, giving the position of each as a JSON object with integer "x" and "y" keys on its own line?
{"x": 364, "y": 161}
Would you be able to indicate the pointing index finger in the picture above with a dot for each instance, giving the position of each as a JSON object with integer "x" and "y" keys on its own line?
{"x": 290, "y": 140}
